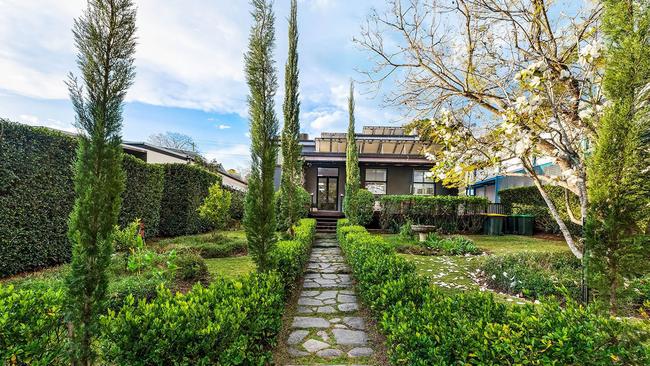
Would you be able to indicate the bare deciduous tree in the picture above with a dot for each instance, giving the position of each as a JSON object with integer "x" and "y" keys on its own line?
{"x": 173, "y": 140}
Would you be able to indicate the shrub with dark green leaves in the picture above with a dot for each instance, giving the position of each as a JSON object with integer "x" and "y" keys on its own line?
{"x": 426, "y": 326}
{"x": 528, "y": 201}
{"x": 142, "y": 194}
{"x": 454, "y": 245}
{"x": 36, "y": 197}
{"x": 290, "y": 256}
{"x": 184, "y": 190}
{"x": 237, "y": 200}
{"x": 449, "y": 214}
{"x": 191, "y": 267}
{"x": 534, "y": 275}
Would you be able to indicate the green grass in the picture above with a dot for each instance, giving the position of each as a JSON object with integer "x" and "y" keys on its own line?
{"x": 456, "y": 273}
{"x": 508, "y": 244}
{"x": 230, "y": 267}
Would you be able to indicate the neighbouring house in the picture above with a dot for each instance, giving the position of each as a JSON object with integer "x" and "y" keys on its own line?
{"x": 161, "y": 155}
{"x": 488, "y": 184}
{"x": 391, "y": 161}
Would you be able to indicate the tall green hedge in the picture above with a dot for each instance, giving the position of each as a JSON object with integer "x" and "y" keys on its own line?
{"x": 185, "y": 188}
{"x": 449, "y": 214}
{"x": 527, "y": 200}
{"x": 36, "y": 197}
{"x": 142, "y": 194}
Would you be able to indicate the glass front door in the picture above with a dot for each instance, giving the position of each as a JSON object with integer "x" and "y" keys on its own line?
{"x": 328, "y": 191}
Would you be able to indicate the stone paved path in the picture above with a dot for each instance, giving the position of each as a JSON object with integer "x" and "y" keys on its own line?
{"x": 327, "y": 327}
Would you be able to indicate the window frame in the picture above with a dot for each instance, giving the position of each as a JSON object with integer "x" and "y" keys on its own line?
{"x": 425, "y": 182}
{"x": 379, "y": 182}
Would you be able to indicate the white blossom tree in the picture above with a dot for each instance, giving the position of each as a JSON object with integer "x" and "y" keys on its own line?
{"x": 488, "y": 81}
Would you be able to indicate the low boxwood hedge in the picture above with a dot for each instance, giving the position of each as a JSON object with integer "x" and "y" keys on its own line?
{"x": 449, "y": 214}
{"x": 230, "y": 322}
{"x": 425, "y": 326}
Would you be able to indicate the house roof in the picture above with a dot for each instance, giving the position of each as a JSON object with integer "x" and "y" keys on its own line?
{"x": 180, "y": 154}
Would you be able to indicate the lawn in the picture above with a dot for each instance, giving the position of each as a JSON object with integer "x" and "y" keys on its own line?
{"x": 459, "y": 273}
{"x": 230, "y": 267}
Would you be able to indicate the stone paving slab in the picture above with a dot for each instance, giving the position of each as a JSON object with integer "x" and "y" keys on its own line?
{"x": 327, "y": 324}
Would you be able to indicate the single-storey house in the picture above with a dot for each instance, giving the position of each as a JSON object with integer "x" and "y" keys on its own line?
{"x": 513, "y": 176}
{"x": 162, "y": 155}
{"x": 391, "y": 161}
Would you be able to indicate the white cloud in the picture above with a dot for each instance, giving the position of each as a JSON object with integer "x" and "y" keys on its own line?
{"x": 230, "y": 156}
{"x": 32, "y": 120}
{"x": 223, "y": 127}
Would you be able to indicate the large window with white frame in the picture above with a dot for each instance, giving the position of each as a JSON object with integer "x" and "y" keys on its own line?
{"x": 376, "y": 181}
{"x": 422, "y": 183}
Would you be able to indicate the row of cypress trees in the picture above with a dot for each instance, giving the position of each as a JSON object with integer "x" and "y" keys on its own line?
{"x": 260, "y": 219}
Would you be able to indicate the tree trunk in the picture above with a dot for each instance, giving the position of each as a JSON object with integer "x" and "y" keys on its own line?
{"x": 554, "y": 212}
{"x": 613, "y": 287}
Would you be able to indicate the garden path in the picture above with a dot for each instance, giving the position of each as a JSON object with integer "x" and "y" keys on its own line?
{"x": 327, "y": 325}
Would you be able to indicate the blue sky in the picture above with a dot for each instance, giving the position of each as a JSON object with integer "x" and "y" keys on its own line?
{"x": 189, "y": 68}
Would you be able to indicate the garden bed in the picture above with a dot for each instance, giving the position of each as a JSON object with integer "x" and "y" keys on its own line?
{"x": 472, "y": 327}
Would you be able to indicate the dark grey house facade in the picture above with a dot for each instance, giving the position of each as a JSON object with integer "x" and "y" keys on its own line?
{"x": 390, "y": 161}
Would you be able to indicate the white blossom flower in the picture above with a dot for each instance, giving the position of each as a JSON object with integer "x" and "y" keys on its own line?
{"x": 565, "y": 74}
{"x": 535, "y": 82}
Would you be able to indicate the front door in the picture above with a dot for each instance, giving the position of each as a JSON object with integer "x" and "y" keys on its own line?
{"x": 327, "y": 195}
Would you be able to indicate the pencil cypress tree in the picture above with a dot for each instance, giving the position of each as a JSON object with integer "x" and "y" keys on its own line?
{"x": 259, "y": 218}
{"x": 105, "y": 39}
{"x": 352, "y": 175}
{"x": 619, "y": 183}
{"x": 290, "y": 205}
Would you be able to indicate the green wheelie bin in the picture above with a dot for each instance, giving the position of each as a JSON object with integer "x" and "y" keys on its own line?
{"x": 493, "y": 224}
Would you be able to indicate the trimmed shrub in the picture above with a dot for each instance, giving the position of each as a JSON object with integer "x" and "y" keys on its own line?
{"x": 534, "y": 275}
{"x": 142, "y": 194}
{"x": 455, "y": 245}
{"x": 528, "y": 201}
{"x": 302, "y": 202}
{"x": 191, "y": 268}
{"x": 237, "y": 200}
{"x": 230, "y": 322}
{"x": 473, "y": 328}
{"x": 32, "y": 330}
{"x": 290, "y": 256}
{"x": 184, "y": 190}
{"x": 449, "y": 214}
{"x": 360, "y": 207}
{"x": 36, "y": 197}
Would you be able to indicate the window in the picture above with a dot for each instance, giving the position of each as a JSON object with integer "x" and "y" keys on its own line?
{"x": 328, "y": 172}
{"x": 376, "y": 181}
{"x": 422, "y": 184}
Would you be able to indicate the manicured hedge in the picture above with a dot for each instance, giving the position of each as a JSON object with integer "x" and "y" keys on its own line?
{"x": 185, "y": 188}
{"x": 230, "y": 322}
{"x": 142, "y": 194}
{"x": 426, "y": 326}
{"x": 36, "y": 197}
{"x": 449, "y": 214}
{"x": 527, "y": 200}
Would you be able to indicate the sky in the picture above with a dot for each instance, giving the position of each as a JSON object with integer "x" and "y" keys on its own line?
{"x": 190, "y": 73}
